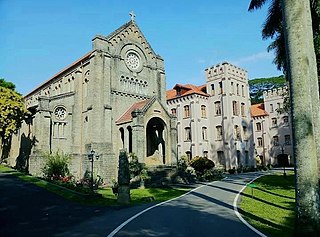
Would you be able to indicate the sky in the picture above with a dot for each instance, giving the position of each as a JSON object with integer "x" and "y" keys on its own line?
{"x": 41, "y": 37}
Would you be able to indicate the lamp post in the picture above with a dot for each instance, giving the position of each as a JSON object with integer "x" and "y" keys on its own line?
{"x": 91, "y": 159}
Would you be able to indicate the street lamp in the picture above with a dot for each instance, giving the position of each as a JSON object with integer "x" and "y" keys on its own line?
{"x": 91, "y": 159}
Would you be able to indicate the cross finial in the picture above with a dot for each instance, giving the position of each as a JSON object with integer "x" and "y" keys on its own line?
{"x": 132, "y": 15}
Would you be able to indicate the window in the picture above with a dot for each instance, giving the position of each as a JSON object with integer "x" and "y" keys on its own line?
{"x": 187, "y": 134}
{"x": 219, "y": 132}
{"x": 274, "y": 122}
{"x": 218, "y": 107}
{"x": 287, "y": 140}
{"x": 220, "y": 88}
{"x": 189, "y": 155}
{"x": 186, "y": 111}
{"x": 242, "y": 90}
{"x": 221, "y": 158}
{"x": 275, "y": 140}
{"x": 271, "y": 108}
{"x": 204, "y": 133}
{"x": 258, "y": 126}
{"x": 279, "y": 105}
{"x": 203, "y": 111}
{"x": 212, "y": 89}
{"x": 174, "y": 112}
{"x": 58, "y": 129}
{"x": 245, "y": 132}
{"x": 237, "y": 132}
{"x": 238, "y": 92}
{"x": 260, "y": 143}
{"x": 285, "y": 120}
{"x": 205, "y": 154}
{"x": 242, "y": 110}
{"x": 60, "y": 113}
{"x": 232, "y": 88}
{"x": 235, "y": 109}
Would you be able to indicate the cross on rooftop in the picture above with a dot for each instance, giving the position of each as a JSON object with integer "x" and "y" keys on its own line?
{"x": 132, "y": 15}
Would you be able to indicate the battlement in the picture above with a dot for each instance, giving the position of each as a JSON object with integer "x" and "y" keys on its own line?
{"x": 275, "y": 92}
{"x": 226, "y": 69}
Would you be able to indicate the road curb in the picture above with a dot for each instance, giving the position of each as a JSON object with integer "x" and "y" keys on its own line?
{"x": 235, "y": 208}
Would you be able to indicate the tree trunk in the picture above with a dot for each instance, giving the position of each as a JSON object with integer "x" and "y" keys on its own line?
{"x": 304, "y": 92}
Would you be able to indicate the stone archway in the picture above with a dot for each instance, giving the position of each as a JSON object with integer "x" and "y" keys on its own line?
{"x": 155, "y": 139}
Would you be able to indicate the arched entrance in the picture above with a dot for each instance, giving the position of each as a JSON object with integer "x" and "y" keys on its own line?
{"x": 155, "y": 138}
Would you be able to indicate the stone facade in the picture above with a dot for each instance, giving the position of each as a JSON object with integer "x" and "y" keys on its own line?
{"x": 111, "y": 98}
{"x": 272, "y": 130}
{"x": 213, "y": 120}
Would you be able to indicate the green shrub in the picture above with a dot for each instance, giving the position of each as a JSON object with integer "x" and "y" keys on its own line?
{"x": 212, "y": 174}
{"x": 135, "y": 167}
{"x": 56, "y": 166}
{"x": 232, "y": 171}
{"x": 200, "y": 164}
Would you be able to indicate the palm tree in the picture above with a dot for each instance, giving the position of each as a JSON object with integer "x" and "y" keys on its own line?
{"x": 295, "y": 35}
{"x": 273, "y": 29}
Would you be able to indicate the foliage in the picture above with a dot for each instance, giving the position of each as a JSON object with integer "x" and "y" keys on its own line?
{"x": 273, "y": 29}
{"x": 200, "y": 164}
{"x": 259, "y": 85}
{"x": 135, "y": 167}
{"x": 12, "y": 112}
{"x": 271, "y": 209}
{"x": 56, "y": 166}
{"x": 212, "y": 174}
{"x": 138, "y": 196}
{"x": 7, "y": 84}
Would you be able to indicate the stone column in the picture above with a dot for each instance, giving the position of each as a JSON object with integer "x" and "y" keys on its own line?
{"x": 123, "y": 178}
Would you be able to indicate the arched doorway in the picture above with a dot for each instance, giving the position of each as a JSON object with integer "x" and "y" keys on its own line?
{"x": 155, "y": 138}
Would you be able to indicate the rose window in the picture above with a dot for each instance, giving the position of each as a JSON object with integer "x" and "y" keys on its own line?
{"x": 132, "y": 61}
{"x": 60, "y": 113}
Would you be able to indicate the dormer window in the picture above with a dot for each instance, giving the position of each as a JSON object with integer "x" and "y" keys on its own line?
{"x": 178, "y": 91}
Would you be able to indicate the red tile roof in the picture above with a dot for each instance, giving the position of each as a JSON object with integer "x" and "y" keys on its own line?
{"x": 185, "y": 90}
{"x": 127, "y": 117}
{"x": 258, "y": 110}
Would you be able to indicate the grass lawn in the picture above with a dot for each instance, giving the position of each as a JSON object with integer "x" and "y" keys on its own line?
{"x": 271, "y": 210}
{"x": 107, "y": 198}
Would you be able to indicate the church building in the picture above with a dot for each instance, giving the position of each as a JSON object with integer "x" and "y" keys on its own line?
{"x": 113, "y": 97}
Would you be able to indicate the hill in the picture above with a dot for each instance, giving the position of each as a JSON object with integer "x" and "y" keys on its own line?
{"x": 258, "y": 85}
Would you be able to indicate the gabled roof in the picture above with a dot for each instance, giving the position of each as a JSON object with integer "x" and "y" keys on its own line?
{"x": 123, "y": 28}
{"x": 184, "y": 90}
{"x": 127, "y": 116}
{"x": 59, "y": 73}
{"x": 257, "y": 110}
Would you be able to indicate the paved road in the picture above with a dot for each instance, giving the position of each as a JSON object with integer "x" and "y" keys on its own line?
{"x": 207, "y": 211}
{"x": 27, "y": 210}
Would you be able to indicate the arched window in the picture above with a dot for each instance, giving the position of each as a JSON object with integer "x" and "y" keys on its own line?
{"x": 217, "y": 105}
{"x": 187, "y": 134}
{"x": 258, "y": 127}
{"x": 204, "y": 133}
{"x": 186, "y": 111}
{"x": 219, "y": 132}
{"x": 203, "y": 111}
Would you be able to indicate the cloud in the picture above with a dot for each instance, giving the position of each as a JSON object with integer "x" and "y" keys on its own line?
{"x": 253, "y": 58}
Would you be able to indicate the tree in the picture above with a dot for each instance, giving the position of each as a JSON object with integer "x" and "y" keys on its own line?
{"x": 273, "y": 29}
{"x": 305, "y": 110}
{"x": 12, "y": 113}
{"x": 7, "y": 84}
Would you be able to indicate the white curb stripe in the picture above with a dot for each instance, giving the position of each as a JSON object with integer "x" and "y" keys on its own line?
{"x": 235, "y": 208}
{"x": 116, "y": 230}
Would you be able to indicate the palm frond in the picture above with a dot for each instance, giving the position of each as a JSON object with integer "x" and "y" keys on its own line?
{"x": 256, "y": 4}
